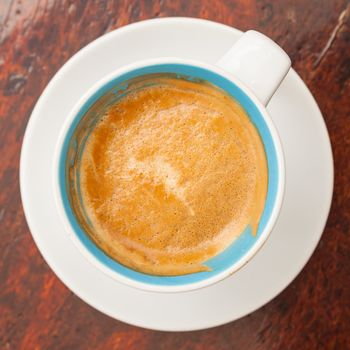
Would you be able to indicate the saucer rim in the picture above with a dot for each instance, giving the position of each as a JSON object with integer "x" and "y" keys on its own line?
{"x": 24, "y": 156}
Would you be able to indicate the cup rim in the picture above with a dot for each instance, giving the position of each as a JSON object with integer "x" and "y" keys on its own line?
{"x": 192, "y": 285}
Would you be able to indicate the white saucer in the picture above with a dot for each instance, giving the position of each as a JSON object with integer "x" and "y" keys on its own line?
{"x": 309, "y": 183}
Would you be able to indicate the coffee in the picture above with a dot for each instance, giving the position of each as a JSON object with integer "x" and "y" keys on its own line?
{"x": 169, "y": 176}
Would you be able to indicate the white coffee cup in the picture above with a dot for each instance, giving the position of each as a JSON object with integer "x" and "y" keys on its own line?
{"x": 250, "y": 71}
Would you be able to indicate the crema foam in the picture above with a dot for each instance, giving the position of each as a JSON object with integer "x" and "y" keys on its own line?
{"x": 171, "y": 175}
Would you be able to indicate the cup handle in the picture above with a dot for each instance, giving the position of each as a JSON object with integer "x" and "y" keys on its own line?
{"x": 258, "y": 62}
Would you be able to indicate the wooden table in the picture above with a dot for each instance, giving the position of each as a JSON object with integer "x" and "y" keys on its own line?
{"x": 36, "y": 310}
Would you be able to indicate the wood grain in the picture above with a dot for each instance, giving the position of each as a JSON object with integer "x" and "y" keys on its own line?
{"x": 36, "y": 310}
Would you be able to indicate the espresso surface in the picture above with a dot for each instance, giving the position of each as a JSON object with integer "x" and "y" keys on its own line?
{"x": 171, "y": 175}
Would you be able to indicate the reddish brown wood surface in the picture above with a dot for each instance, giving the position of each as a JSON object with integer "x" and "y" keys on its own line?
{"x": 36, "y": 310}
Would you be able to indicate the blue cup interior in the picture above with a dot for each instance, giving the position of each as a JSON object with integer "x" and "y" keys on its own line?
{"x": 244, "y": 243}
